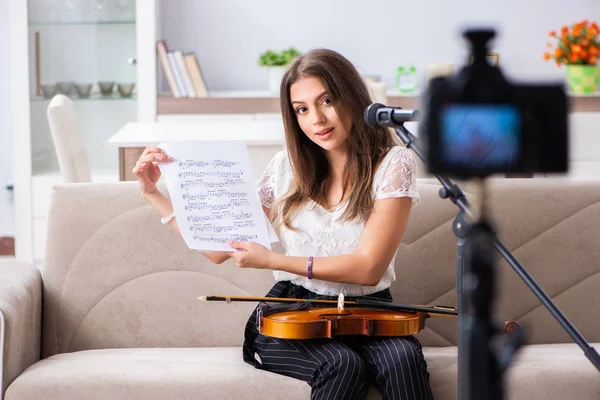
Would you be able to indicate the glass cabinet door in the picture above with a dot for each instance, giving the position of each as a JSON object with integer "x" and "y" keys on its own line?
{"x": 84, "y": 49}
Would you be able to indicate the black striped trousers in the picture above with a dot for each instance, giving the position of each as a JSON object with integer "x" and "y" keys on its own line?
{"x": 341, "y": 368}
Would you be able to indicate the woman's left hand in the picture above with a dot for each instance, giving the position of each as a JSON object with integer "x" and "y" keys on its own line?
{"x": 251, "y": 255}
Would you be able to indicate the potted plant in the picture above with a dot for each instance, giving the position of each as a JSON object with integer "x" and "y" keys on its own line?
{"x": 275, "y": 62}
{"x": 577, "y": 47}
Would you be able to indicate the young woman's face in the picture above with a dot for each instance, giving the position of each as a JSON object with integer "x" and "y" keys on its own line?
{"x": 317, "y": 116}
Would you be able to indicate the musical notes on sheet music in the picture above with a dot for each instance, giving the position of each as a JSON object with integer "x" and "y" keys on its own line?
{"x": 214, "y": 196}
{"x": 223, "y": 240}
{"x": 215, "y": 192}
{"x": 186, "y": 164}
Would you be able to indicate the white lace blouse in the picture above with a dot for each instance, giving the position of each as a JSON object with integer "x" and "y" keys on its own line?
{"x": 320, "y": 233}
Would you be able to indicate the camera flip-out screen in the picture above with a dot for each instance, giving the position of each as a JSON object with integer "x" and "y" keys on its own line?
{"x": 479, "y": 137}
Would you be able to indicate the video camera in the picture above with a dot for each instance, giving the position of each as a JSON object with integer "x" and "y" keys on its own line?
{"x": 476, "y": 123}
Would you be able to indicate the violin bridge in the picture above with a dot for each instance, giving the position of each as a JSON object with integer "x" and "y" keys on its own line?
{"x": 341, "y": 302}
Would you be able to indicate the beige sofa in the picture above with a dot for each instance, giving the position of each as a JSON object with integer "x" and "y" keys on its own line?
{"x": 120, "y": 317}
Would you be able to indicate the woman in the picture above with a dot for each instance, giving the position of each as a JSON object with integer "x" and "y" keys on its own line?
{"x": 340, "y": 197}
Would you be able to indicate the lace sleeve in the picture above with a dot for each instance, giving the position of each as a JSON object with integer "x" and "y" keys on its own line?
{"x": 267, "y": 182}
{"x": 397, "y": 176}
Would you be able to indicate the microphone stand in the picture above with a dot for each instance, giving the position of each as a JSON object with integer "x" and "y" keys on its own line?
{"x": 461, "y": 227}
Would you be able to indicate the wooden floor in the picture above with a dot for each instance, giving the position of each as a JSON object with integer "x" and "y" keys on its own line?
{"x": 7, "y": 228}
{"x": 7, "y": 246}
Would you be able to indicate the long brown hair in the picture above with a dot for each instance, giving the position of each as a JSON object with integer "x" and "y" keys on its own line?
{"x": 366, "y": 146}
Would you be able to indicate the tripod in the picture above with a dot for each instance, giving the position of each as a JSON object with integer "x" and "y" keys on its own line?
{"x": 485, "y": 369}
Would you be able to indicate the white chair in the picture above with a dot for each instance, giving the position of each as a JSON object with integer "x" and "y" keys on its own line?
{"x": 72, "y": 159}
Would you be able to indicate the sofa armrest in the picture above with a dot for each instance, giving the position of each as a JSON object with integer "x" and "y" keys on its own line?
{"x": 20, "y": 319}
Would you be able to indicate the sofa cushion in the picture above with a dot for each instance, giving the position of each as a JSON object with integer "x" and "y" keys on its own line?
{"x": 114, "y": 277}
{"x": 152, "y": 373}
{"x": 540, "y": 372}
{"x": 553, "y": 371}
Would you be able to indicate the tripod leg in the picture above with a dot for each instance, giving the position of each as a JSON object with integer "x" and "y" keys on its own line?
{"x": 461, "y": 305}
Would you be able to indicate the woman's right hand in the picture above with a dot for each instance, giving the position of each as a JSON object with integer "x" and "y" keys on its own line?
{"x": 146, "y": 169}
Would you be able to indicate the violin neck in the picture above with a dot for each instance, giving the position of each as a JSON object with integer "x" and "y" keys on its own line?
{"x": 361, "y": 301}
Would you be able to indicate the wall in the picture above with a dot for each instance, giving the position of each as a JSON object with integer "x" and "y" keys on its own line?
{"x": 6, "y": 161}
{"x": 6, "y": 143}
{"x": 376, "y": 35}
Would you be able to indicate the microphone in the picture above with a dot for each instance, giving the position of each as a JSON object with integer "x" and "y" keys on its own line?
{"x": 377, "y": 115}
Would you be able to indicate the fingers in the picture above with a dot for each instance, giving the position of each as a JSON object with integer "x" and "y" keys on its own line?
{"x": 152, "y": 157}
{"x": 239, "y": 245}
{"x": 146, "y": 159}
{"x": 140, "y": 168}
{"x": 152, "y": 150}
{"x": 240, "y": 258}
{"x": 136, "y": 169}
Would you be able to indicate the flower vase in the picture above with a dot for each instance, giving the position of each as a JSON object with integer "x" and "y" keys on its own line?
{"x": 583, "y": 79}
{"x": 275, "y": 76}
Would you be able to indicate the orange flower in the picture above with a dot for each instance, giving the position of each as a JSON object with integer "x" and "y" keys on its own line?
{"x": 573, "y": 58}
{"x": 583, "y": 55}
{"x": 575, "y": 44}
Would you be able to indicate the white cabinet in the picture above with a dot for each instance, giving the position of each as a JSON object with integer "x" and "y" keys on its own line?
{"x": 584, "y": 145}
{"x": 71, "y": 46}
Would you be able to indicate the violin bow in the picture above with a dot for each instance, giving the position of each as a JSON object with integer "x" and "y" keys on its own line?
{"x": 361, "y": 301}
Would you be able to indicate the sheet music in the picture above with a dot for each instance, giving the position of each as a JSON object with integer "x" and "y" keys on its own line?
{"x": 214, "y": 195}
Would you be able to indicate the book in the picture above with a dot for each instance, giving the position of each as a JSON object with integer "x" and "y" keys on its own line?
{"x": 162, "y": 50}
{"x": 185, "y": 76}
{"x": 196, "y": 74}
{"x": 176, "y": 73}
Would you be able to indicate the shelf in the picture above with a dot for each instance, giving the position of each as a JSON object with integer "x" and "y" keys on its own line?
{"x": 245, "y": 104}
{"x": 263, "y": 102}
{"x": 85, "y": 23}
{"x": 92, "y": 97}
{"x": 217, "y": 105}
{"x": 585, "y": 103}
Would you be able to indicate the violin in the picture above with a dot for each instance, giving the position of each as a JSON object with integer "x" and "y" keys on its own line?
{"x": 365, "y": 316}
